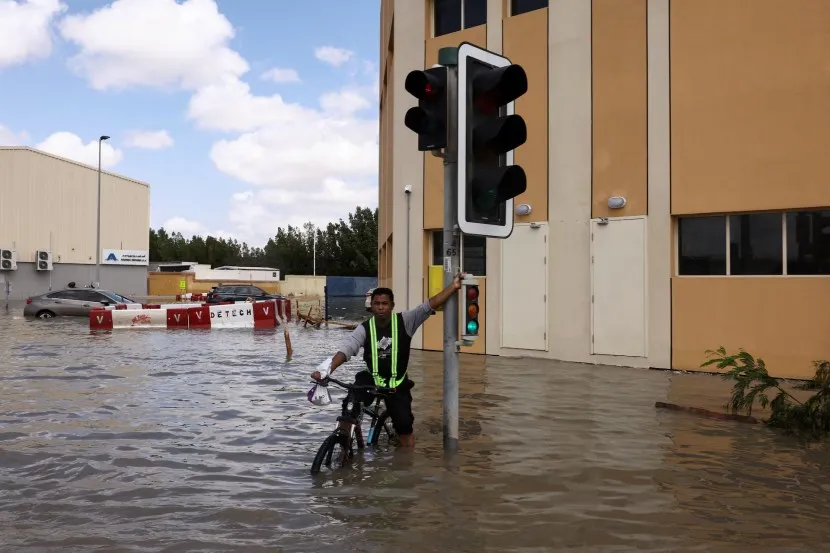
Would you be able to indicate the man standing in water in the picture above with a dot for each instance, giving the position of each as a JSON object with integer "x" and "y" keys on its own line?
{"x": 385, "y": 339}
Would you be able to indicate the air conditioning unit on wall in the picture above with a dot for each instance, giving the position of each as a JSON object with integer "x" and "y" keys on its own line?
{"x": 8, "y": 260}
{"x": 43, "y": 259}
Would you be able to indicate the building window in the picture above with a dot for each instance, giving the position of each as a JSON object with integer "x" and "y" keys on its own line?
{"x": 473, "y": 253}
{"x": 518, "y": 7}
{"x": 701, "y": 245}
{"x": 808, "y": 243}
{"x": 756, "y": 244}
{"x": 450, "y": 16}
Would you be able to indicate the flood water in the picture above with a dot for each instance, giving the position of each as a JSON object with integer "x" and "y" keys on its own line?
{"x": 189, "y": 440}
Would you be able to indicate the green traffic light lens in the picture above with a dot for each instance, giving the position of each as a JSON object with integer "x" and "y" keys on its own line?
{"x": 472, "y": 327}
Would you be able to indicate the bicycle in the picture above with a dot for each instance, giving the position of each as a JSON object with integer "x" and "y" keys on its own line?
{"x": 348, "y": 430}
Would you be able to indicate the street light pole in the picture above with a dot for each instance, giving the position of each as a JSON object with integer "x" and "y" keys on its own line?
{"x": 98, "y": 232}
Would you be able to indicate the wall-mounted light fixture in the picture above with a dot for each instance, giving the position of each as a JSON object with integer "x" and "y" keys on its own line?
{"x": 523, "y": 209}
{"x": 616, "y": 202}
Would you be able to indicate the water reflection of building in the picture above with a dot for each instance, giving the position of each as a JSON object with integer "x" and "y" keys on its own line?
{"x": 695, "y": 130}
{"x": 767, "y": 489}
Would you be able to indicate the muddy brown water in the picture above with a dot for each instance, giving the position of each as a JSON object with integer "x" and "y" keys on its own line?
{"x": 140, "y": 441}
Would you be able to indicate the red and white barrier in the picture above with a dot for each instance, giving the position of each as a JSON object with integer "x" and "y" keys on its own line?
{"x": 261, "y": 314}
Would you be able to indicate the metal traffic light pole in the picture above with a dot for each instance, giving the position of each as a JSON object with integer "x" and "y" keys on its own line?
{"x": 448, "y": 57}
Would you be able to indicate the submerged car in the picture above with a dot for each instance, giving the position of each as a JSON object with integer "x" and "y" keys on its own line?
{"x": 71, "y": 302}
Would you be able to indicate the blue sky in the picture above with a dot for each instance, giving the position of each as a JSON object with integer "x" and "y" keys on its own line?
{"x": 242, "y": 115}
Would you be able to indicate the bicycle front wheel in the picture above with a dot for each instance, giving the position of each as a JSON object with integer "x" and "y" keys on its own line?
{"x": 334, "y": 453}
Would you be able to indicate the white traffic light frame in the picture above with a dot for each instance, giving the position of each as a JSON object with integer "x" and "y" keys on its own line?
{"x": 467, "y": 281}
{"x": 465, "y": 51}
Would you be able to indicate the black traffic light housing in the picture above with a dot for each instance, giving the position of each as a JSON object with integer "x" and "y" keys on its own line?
{"x": 429, "y": 118}
{"x": 488, "y": 133}
{"x": 470, "y": 324}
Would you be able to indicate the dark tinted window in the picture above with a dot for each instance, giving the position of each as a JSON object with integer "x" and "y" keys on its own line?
{"x": 475, "y": 255}
{"x": 808, "y": 243}
{"x": 447, "y": 16}
{"x": 437, "y": 247}
{"x": 755, "y": 242}
{"x": 522, "y": 6}
{"x": 475, "y": 13}
{"x": 80, "y": 295}
{"x": 702, "y": 245}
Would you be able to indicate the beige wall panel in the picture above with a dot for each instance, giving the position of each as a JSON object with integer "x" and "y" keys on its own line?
{"x": 750, "y": 104}
{"x": 433, "y": 166}
{"x": 59, "y": 197}
{"x": 782, "y": 320}
{"x": 620, "y": 104}
{"x": 525, "y": 39}
{"x": 659, "y": 187}
{"x": 407, "y": 167}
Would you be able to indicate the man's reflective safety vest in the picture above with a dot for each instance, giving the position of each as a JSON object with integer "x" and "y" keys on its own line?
{"x": 386, "y": 351}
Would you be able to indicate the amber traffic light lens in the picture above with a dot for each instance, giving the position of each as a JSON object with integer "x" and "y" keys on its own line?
{"x": 472, "y": 311}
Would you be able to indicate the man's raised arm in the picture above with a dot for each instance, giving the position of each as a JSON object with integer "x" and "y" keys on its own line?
{"x": 415, "y": 317}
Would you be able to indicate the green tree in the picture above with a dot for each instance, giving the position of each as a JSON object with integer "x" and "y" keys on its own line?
{"x": 344, "y": 248}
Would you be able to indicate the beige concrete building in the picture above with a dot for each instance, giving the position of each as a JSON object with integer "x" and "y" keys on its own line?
{"x": 48, "y": 213}
{"x": 710, "y": 117}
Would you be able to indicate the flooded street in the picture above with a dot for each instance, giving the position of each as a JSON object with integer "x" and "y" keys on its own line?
{"x": 190, "y": 440}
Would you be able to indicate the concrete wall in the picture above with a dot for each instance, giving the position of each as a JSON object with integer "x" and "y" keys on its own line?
{"x": 50, "y": 203}
{"x": 303, "y": 285}
{"x": 628, "y": 98}
{"x": 26, "y": 281}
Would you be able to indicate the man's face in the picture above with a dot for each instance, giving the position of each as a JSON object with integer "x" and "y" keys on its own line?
{"x": 382, "y": 306}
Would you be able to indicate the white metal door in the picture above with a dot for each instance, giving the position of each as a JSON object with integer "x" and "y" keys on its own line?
{"x": 618, "y": 287}
{"x": 524, "y": 281}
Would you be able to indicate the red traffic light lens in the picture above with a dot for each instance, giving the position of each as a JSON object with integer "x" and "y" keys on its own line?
{"x": 472, "y": 293}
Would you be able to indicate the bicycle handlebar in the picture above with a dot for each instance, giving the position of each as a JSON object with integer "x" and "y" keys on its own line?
{"x": 376, "y": 389}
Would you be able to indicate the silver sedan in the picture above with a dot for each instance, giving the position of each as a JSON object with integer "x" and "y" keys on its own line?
{"x": 71, "y": 302}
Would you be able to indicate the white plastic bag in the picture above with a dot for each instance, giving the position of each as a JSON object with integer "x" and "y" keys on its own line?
{"x": 319, "y": 393}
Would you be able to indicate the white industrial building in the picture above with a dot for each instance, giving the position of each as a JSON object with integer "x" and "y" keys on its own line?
{"x": 48, "y": 225}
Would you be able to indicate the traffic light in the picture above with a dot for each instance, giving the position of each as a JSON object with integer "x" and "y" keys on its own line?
{"x": 469, "y": 320}
{"x": 429, "y": 118}
{"x": 488, "y": 132}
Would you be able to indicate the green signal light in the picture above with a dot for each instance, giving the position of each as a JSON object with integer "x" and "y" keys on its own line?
{"x": 472, "y": 327}
{"x": 486, "y": 200}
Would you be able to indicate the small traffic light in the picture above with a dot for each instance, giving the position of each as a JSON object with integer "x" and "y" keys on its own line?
{"x": 470, "y": 297}
{"x": 429, "y": 118}
{"x": 488, "y": 132}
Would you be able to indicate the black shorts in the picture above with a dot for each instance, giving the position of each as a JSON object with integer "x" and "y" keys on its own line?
{"x": 398, "y": 405}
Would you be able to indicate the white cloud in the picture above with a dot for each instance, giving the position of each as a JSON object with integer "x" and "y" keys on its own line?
{"x": 304, "y": 161}
{"x": 287, "y": 145}
{"x": 187, "y": 227}
{"x": 229, "y": 106}
{"x": 256, "y": 215}
{"x": 161, "y": 43}
{"x": 25, "y": 29}
{"x": 11, "y": 138}
{"x": 280, "y": 75}
{"x": 149, "y": 140}
{"x": 70, "y": 146}
{"x": 333, "y": 56}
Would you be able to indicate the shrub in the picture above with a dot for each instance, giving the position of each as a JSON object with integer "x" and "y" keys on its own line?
{"x": 810, "y": 418}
